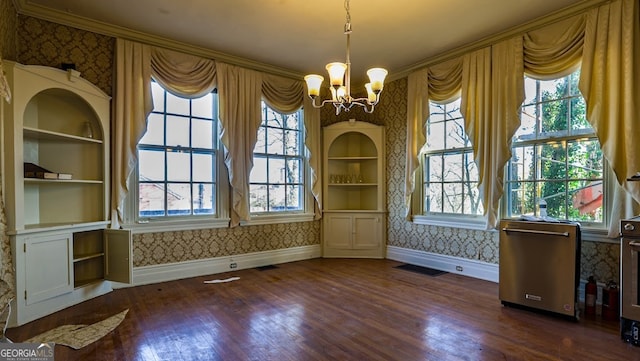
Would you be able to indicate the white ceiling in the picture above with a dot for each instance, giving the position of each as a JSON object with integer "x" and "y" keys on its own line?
{"x": 301, "y": 36}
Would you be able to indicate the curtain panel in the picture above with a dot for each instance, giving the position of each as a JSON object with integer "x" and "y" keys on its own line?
{"x": 417, "y": 113}
{"x": 182, "y": 74}
{"x": 492, "y": 92}
{"x": 439, "y": 83}
{"x": 610, "y": 84}
{"x": 131, "y": 106}
{"x": 7, "y": 273}
{"x": 240, "y": 92}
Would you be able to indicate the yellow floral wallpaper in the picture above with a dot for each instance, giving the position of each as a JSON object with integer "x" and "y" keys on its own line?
{"x": 8, "y": 25}
{"x": 170, "y": 247}
{"x": 46, "y": 43}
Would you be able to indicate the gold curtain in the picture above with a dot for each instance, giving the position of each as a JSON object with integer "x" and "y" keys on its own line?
{"x": 440, "y": 83}
{"x": 182, "y": 74}
{"x": 240, "y": 92}
{"x": 492, "y": 92}
{"x": 417, "y": 114}
{"x": 610, "y": 84}
{"x": 554, "y": 50}
{"x": 132, "y": 105}
{"x": 7, "y": 274}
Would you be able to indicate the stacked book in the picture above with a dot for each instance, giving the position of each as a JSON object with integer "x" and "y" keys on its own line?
{"x": 35, "y": 171}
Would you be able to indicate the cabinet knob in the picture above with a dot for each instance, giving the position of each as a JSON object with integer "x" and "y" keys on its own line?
{"x": 629, "y": 227}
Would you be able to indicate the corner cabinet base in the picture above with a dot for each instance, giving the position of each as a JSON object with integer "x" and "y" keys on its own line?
{"x": 60, "y": 266}
{"x": 22, "y": 313}
{"x": 354, "y": 235}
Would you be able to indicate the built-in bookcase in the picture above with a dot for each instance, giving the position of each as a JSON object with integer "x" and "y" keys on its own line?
{"x": 354, "y": 190}
{"x": 58, "y": 227}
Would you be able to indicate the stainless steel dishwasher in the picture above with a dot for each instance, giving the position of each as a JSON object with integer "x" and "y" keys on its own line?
{"x": 540, "y": 266}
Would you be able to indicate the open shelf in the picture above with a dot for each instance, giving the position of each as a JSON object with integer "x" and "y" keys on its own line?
{"x": 84, "y": 257}
{"x": 40, "y": 134}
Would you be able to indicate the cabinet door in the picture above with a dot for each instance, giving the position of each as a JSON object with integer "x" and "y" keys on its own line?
{"x": 366, "y": 231}
{"x": 119, "y": 256}
{"x": 48, "y": 263}
{"x": 337, "y": 231}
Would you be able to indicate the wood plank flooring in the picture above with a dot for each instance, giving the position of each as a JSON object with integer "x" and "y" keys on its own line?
{"x": 329, "y": 309}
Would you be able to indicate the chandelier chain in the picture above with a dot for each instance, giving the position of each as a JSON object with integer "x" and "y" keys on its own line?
{"x": 348, "y": 20}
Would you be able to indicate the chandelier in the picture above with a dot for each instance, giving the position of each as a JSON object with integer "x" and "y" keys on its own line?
{"x": 340, "y": 81}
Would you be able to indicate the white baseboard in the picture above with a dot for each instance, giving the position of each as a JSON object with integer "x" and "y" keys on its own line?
{"x": 174, "y": 271}
{"x": 468, "y": 267}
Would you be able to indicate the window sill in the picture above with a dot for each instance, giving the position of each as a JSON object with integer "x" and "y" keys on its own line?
{"x": 278, "y": 218}
{"x": 597, "y": 235}
{"x": 176, "y": 225}
{"x": 587, "y": 234}
{"x": 473, "y": 223}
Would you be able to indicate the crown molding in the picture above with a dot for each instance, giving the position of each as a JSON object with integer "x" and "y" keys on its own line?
{"x": 490, "y": 40}
{"x": 25, "y": 7}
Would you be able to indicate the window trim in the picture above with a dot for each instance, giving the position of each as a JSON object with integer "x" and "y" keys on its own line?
{"x": 132, "y": 220}
{"x": 306, "y": 213}
{"x": 467, "y": 221}
{"x": 595, "y": 231}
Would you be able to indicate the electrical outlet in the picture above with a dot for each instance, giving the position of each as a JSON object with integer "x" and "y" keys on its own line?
{"x": 233, "y": 265}
{"x": 459, "y": 268}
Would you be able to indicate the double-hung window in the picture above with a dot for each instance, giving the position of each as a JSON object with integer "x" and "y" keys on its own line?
{"x": 556, "y": 157}
{"x": 278, "y": 177}
{"x": 450, "y": 176}
{"x": 178, "y": 159}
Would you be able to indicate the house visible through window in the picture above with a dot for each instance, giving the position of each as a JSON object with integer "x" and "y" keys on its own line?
{"x": 556, "y": 155}
{"x": 277, "y": 180}
{"x": 450, "y": 176}
{"x": 178, "y": 157}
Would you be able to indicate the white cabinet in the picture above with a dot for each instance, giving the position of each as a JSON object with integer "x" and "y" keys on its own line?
{"x": 61, "y": 266}
{"x": 354, "y": 216}
{"x": 353, "y": 234}
{"x": 55, "y": 251}
{"x": 58, "y": 227}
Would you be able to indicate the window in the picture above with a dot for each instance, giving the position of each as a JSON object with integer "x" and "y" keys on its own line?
{"x": 556, "y": 155}
{"x": 177, "y": 155}
{"x": 277, "y": 180}
{"x": 450, "y": 176}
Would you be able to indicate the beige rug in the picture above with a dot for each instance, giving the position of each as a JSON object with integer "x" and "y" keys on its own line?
{"x": 79, "y": 336}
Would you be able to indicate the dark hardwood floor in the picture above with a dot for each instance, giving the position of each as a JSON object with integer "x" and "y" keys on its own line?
{"x": 329, "y": 309}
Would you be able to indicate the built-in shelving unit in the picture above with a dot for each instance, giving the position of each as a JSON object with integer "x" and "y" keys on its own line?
{"x": 354, "y": 222}
{"x": 59, "y": 121}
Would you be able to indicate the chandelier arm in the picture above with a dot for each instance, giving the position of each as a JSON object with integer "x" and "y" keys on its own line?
{"x": 364, "y": 104}
{"x": 342, "y": 99}
{"x": 364, "y": 101}
{"x": 324, "y": 102}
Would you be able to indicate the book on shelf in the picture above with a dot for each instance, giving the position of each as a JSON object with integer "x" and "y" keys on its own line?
{"x": 35, "y": 171}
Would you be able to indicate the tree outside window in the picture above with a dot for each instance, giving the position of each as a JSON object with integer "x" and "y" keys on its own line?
{"x": 277, "y": 177}
{"x": 450, "y": 176}
{"x": 556, "y": 155}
